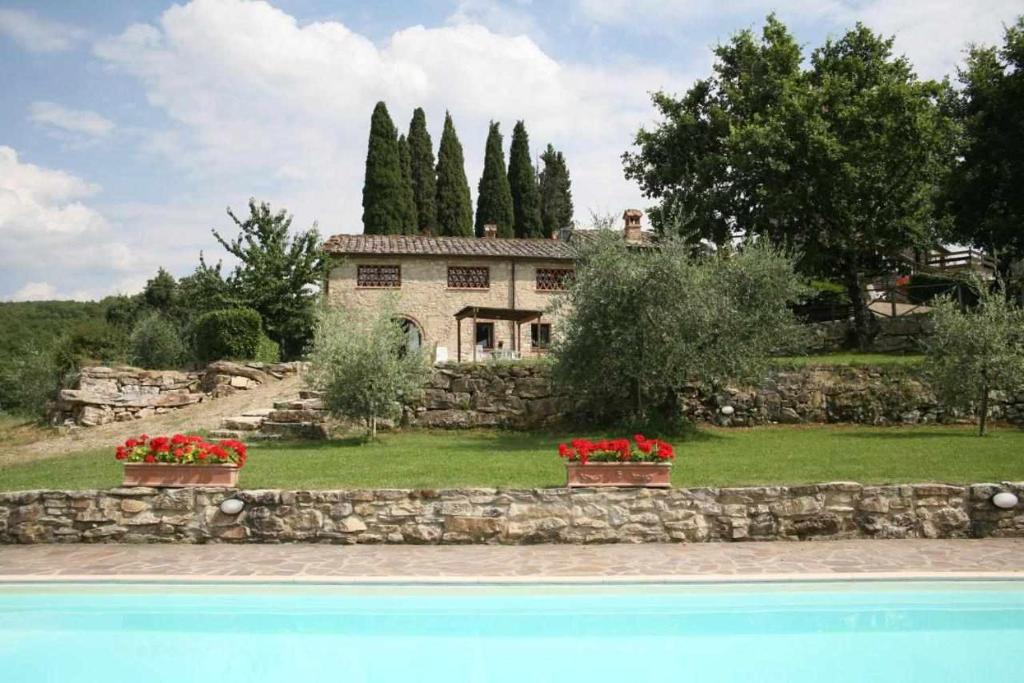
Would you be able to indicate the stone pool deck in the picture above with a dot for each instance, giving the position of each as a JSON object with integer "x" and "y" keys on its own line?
{"x": 915, "y": 558}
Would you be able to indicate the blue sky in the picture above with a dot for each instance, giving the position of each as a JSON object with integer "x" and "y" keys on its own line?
{"x": 127, "y": 126}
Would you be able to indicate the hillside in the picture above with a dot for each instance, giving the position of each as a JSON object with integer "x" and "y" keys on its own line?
{"x": 35, "y": 324}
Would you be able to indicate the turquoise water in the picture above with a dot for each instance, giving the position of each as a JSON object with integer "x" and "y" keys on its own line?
{"x": 868, "y": 631}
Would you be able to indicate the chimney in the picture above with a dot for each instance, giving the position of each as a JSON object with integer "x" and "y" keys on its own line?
{"x": 490, "y": 230}
{"x": 632, "y": 231}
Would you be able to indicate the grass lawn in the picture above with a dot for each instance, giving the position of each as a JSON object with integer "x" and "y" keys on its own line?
{"x": 711, "y": 457}
{"x": 849, "y": 358}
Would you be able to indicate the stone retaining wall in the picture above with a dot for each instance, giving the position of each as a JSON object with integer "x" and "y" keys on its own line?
{"x": 902, "y": 334}
{"x": 522, "y": 395}
{"x": 102, "y": 395}
{"x": 826, "y": 511}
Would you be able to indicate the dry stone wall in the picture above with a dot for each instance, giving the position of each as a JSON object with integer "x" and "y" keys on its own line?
{"x": 902, "y": 334}
{"x": 102, "y": 395}
{"x": 522, "y": 395}
{"x": 839, "y": 510}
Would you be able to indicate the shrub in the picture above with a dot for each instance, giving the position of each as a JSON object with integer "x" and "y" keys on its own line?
{"x": 155, "y": 343}
{"x": 976, "y": 351}
{"x": 230, "y": 333}
{"x": 268, "y": 350}
{"x": 89, "y": 342}
{"x": 28, "y": 380}
{"x": 362, "y": 365}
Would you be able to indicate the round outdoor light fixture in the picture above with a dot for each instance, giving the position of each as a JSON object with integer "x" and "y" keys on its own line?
{"x": 1005, "y": 500}
{"x": 231, "y": 506}
{"x": 728, "y": 410}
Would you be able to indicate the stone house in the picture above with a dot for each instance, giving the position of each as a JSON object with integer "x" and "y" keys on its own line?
{"x": 464, "y": 298}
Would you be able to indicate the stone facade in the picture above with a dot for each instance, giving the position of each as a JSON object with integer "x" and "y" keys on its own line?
{"x": 102, "y": 395}
{"x": 425, "y": 298}
{"x": 840, "y": 510}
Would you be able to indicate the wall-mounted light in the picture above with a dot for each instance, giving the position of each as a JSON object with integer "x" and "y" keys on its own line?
{"x": 727, "y": 410}
{"x": 231, "y": 506}
{"x": 1005, "y": 500}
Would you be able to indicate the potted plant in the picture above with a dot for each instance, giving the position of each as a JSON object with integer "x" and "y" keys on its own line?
{"x": 180, "y": 460}
{"x": 618, "y": 462}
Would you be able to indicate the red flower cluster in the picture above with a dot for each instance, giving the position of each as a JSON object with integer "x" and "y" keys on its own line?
{"x": 181, "y": 449}
{"x": 617, "y": 450}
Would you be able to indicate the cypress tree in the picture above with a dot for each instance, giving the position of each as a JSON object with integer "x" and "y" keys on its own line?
{"x": 494, "y": 195}
{"x": 383, "y": 201}
{"x": 523, "y": 180}
{"x": 555, "y": 193}
{"x": 454, "y": 205}
{"x": 408, "y": 195}
{"x": 424, "y": 183}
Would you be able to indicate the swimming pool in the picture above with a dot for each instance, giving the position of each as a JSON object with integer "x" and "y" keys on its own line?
{"x": 856, "y": 631}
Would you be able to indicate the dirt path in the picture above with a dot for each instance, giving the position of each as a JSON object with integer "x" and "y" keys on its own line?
{"x": 205, "y": 415}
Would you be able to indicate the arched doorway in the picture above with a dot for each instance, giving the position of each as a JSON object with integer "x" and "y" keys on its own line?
{"x": 413, "y": 334}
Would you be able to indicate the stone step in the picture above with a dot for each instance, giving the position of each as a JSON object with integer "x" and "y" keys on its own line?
{"x": 295, "y": 430}
{"x": 258, "y": 412}
{"x": 309, "y": 393}
{"x": 218, "y": 434}
{"x": 295, "y": 416}
{"x": 300, "y": 404}
{"x": 242, "y": 423}
{"x": 227, "y": 434}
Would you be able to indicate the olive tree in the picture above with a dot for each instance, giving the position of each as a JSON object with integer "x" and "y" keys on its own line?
{"x": 975, "y": 351}
{"x": 362, "y": 365}
{"x": 642, "y": 324}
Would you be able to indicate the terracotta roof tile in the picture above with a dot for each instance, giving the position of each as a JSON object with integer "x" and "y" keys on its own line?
{"x": 448, "y": 246}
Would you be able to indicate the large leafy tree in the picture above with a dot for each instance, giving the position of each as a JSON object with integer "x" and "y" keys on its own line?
{"x": 494, "y": 195}
{"x": 986, "y": 200}
{"x": 384, "y": 201}
{"x": 454, "y": 204}
{"x": 555, "y": 192}
{"x": 841, "y": 160}
{"x": 523, "y": 180}
{"x": 278, "y": 274}
{"x": 424, "y": 182}
{"x": 408, "y": 191}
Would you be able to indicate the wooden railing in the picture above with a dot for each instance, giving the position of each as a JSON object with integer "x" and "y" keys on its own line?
{"x": 968, "y": 259}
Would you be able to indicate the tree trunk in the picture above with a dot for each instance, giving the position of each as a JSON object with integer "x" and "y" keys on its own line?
{"x": 983, "y": 409}
{"x": 863, "y": 322}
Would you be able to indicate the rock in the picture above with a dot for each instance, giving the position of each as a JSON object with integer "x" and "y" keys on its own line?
{"x": 132, "y": 506}
{"x": 352, "y": 525}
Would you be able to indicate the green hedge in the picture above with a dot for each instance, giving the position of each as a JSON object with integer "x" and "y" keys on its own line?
{"x": 230, "y": 333}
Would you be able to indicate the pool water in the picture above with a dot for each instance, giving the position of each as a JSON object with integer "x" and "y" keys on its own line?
{"x": 859, "y": 631}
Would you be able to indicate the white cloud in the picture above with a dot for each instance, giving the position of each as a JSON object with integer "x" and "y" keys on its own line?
{"x": 265, "y": 106}
{"x": 56, "y": 244}
{"x": 934, "y": 34}
{"x": 76, "y": 121}
{"x": 38, "y": 35}
{"x": 931, "y": 33}
{"x": 36, "y": 291}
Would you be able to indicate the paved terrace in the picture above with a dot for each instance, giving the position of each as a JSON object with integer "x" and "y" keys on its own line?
{"x": 697, "y": 562}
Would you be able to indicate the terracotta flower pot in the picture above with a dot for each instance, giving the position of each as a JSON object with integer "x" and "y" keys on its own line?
{"x": 164, "y": 474}
{"x": 640, "y": 474}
